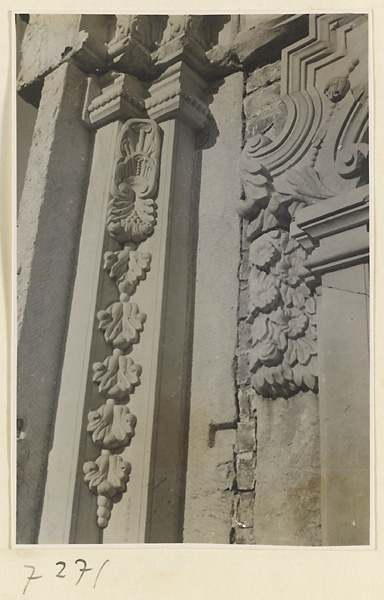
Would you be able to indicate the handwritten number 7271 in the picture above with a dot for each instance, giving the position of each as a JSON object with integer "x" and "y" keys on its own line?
{"x": 59, "y": 574}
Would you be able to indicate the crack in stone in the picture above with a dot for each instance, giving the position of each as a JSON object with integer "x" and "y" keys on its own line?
{"x": 333, "y": 287}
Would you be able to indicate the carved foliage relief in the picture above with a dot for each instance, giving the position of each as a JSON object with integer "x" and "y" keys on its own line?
{"x": 282, "y": 313}
{"x": 321, "y": 153}
{"x": 130, "y": 220}
{"x": 132, "y": 209}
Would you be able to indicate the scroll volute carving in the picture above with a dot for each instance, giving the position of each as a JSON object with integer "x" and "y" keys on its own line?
{"x": 145, "y": 30}
{"x": 321, "y": 153}
{"x": 195, "y": 27}
{"x": 132, "y": 210}
{"x": 325, "y": 92}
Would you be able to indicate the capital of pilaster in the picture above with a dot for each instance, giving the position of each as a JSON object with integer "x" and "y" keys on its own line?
{"x": 113, "y": 96}
{"x": 177, "y": 94}
{"x": 186, "y": 38}
{"x": 136, "y": 37}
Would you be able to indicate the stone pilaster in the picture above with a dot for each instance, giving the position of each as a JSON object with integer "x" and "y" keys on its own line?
{"x": 50, "y": 217}
{"x": 70, "y": 514}
{"x": 337, "y": 232}
{"x": 175, "y": 103}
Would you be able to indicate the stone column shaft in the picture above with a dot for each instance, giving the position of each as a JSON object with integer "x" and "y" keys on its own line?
{"x": 48, "y": 234}
{"x": 336, "y": 231}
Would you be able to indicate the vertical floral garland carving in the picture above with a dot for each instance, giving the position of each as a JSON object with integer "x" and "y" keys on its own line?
{"x": 131, "y": 218}
{"x": 282, "y": 308}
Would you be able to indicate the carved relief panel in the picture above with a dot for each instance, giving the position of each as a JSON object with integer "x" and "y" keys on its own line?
{"x": 131, "y": 218}
{"x": 321, "y": 152}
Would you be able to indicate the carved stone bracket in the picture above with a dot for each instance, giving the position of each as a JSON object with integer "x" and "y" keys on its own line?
{"x": 136, "y": 36}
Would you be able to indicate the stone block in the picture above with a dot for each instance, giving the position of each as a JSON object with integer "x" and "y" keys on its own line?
{"x": 262, "y": 100}
{"x": 244, "y": 336}
{"x": 243, "y": 375}
{"x": 264, "y": 77}
{"x": 244, "y": 536}
{"x": 244, "y": 510}
{"x": 246, "y": 437}
{"x": 243, "y": 400}
{"x": 243, "y": 302}
{"x": 271, "y": 121}
{"x": 287, "y": 503}
{"x": 245, "y": 471}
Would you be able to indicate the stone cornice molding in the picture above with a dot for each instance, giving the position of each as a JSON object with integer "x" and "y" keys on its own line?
{"x": 113, "y": 96}
{"x": 177, "y": 94}
{"x": 304, "y": 90}
{"x": 335, "y": 232}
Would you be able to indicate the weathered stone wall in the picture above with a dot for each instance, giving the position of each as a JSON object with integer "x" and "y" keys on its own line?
{"x": 213, "y": 414}
{"x": 277, "y": 498}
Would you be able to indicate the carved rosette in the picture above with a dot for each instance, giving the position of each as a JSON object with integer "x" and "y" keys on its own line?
{"x": 130, "y": 220}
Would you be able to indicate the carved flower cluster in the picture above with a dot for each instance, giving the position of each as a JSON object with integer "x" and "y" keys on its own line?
{"x": 282, "y": 311}
{"x": 107, "y": 477}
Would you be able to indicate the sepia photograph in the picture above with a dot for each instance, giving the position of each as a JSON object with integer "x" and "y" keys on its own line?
{"x": 193, "y": 280}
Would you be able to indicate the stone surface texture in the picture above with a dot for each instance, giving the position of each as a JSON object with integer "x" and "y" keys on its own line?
{"x": 213, "y": 406}
{"x": 50, "y": 217}
{"x": 253, "y": 215}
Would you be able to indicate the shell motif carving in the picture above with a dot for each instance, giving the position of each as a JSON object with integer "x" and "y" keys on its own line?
{"x": 117, "y": 375}
{"x": 122, "y": 323}
{"x": 282, "y": 311}
{"x": 128, "y": 267}
{"x": 131, "y": 214}
{"x": 107, "y": 477}
{"x": 112, "y": 426}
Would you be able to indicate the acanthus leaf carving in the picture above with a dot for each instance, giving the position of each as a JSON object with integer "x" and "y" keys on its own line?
{"x": 131, "y": 214}
{"x": 128, "y": 267}
{"x": 122, "y": 323}
{"x": 112, "y": 426}
{"x": 107, "y": 477}
{"x": 117, "y": 375}
{"x": 282, "y": 317}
